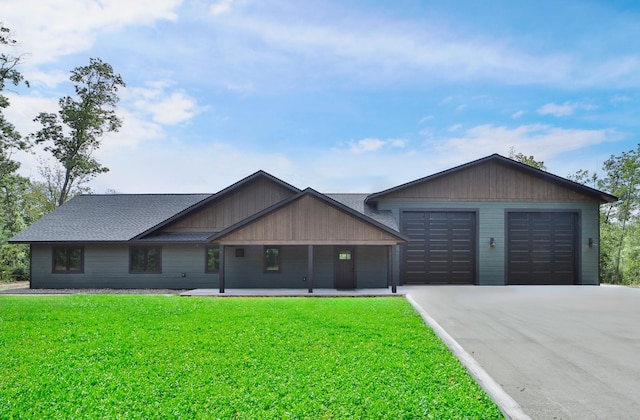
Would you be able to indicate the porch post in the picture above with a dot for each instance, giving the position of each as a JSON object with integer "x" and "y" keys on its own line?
{"x": 310, "y": 268}
{"x": 221, "y": 268}
{"x": 394, "y": 268}
{"x": 389, "y": 268}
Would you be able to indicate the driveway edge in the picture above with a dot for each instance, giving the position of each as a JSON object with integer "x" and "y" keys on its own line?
{"x": 509, "y": 407}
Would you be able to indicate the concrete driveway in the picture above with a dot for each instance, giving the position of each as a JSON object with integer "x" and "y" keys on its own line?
{"x": 561, "y": 352}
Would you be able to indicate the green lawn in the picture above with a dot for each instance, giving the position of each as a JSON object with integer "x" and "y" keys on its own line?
{"x": 127, "y": 356}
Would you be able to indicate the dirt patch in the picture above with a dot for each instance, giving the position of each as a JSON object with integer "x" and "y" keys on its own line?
{"x": 14, "y": 285}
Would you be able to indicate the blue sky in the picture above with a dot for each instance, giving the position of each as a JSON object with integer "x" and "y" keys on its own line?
{"x": 354, "y": 96}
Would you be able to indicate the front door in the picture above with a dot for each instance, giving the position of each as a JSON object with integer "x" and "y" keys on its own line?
{"x": 345, "y": 267}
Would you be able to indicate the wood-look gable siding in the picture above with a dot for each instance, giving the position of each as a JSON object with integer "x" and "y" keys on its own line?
{"x": 490, "y": 181}
{"x": 309, "y": 220}
{"x": 229, "y": 210}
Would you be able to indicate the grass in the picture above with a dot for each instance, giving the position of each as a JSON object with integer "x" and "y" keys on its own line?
{"x": 106, "y": 356}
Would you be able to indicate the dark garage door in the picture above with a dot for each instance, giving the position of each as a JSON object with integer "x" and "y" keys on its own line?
{"x": 442, "y": 247}
{"x": 541, "y": 248}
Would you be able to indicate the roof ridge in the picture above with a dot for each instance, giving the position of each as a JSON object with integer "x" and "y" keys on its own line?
{"x": 139, "y": 194}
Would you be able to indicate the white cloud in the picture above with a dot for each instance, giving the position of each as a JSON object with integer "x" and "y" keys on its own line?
{"x": 174, "y": 166}
{"x": 565, "y": 109}
{"x": 23, "y": 110}
{"x": 366, "y": 145}
{"x": 172, "y": 110}
{"x": 517, "y": 114}
{"x": 50, "y": 29}
{"x": 373, "y": 144}
{"x": 220, "y": 7}
{"x": 242, "y": 89}
{"x": 620, "y": 99}
{"x": 425, "y": 119}
{"x": 399, "y": 143}
{"x": 542, "y": 141}
{"x": 162, "y": 105}
{"x": 561, "y": 110}
{"x": 49, "y": 79}
{"x": 396, "y": 49}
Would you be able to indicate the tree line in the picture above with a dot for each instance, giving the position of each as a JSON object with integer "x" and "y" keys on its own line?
{"x": 75, "y": 131}
{"x": 71, "y": 136}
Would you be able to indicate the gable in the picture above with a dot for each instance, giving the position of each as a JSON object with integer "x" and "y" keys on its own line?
{"x": 493, "y": 179}
{"x": 231, "y": 208}
{"x": 309, "y": 220}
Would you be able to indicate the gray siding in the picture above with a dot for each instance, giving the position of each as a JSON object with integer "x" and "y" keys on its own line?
{"x": 371, "y": 267}
{"x": 248, "y": 271}
{"x": 107, "y": 266}
{"x": 491, "y": 224}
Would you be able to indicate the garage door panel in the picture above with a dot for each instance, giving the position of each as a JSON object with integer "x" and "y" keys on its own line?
{"x": 542, "y": 248}
{"x": 443, "y": 243}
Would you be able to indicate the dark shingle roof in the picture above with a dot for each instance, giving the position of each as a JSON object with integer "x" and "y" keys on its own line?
{"x": 113, "y": 217}
{"x": 356, "y": 202}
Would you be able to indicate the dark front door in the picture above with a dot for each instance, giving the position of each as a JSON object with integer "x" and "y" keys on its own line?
{"x": 345, "y": 267}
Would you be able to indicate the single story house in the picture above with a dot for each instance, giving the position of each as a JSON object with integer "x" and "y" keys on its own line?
{"x": 493, "y": 221}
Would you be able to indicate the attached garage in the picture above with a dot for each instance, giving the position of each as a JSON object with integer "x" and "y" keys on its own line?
{"x": 495, "y": 221}
{"x": 441, "y": 248}
{"x": 542, "y": 247}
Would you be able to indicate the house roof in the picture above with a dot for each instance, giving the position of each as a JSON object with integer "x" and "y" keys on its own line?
{"x": 217, "y": 196}
{"x": 143, "y": 217}
{"x": 110, "y": 218}
{"x": 530, "y": 170}
{"x": 356, "y": 202}
{"x": 352, "y": 211}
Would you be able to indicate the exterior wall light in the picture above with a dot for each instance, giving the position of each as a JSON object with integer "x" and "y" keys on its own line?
{"x": 590, "y": 243}
{"x": 492, "y": 242}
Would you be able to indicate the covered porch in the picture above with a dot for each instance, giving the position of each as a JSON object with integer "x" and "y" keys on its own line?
{"x": 307, "y": 267}
{"x": 309, "y": 241}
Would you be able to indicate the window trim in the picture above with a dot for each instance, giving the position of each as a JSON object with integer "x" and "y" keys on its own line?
{"x": 264, "y": 258}
{"x": 146, "y": 250}
{"x": 67, "y": 249}
{"x": 206, "y": 259}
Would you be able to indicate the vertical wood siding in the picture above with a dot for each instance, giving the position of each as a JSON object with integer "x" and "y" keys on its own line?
{"x": 490, "y": 181}
{"x": 232, "y": 208}
{"x": 309, "y": 220}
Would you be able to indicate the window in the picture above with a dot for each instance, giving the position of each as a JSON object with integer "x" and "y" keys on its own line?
{"x": 213, "y": 259}
{"x": 145, "y": 259}
{"x": 272, "y": 259}
{"x": 68, "y": 259}
{"x": 344, "y": 255}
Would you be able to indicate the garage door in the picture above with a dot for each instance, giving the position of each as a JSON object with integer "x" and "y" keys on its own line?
{"x": 542, "y": 248}
{"x": 442, "y": 247}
